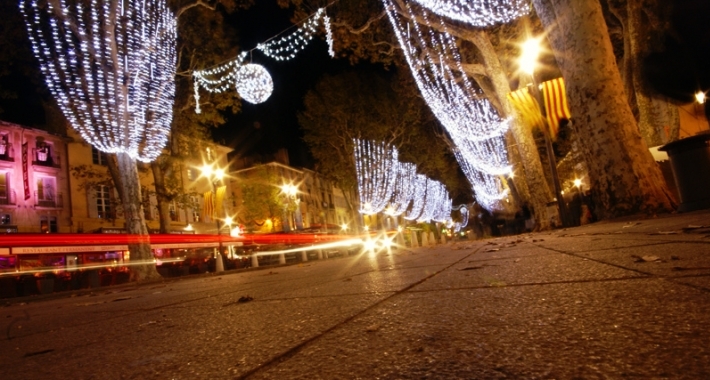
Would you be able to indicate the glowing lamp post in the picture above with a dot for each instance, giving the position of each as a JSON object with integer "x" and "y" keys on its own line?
{"x": 527, "y": 63}
{"x": 215, "y": 176}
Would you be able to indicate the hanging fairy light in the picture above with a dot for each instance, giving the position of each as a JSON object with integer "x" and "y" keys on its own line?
{"x": 474, "y": 126}
{"x": 404, "y": 187}
{"x": 374, "y": 169}
{"x": 437, "y": 206}
{"x": 479, "y": 13}
{"x": 463, "y": 210}
{"x": 220, "y": 78}
{"x": 254, "y": 83}
{"x": 112, "y": 75}
{"x": 289, "y": 46}
{"x": 420, "y": 192}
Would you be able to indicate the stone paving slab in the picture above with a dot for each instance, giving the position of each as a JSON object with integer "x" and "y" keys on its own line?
{"x": 539, "y": 267}
{"x": 585, "y": 330}
{"x": 677, "y": 259}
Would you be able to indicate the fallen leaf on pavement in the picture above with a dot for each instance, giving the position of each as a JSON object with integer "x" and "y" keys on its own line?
{"x": 493, "y": 250}
{"x": 645, "y": 259}
{"x": 243, "y": 299}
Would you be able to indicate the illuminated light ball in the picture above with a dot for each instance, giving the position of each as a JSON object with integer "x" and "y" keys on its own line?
{"x": 254, "y": 83}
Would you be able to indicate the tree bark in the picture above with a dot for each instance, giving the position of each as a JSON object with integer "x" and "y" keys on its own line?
{"x": 139, "y": 245}
{"x": 160, "y": 195}
{"x": 623, "y": 175}
{"x": 658, "y": 119}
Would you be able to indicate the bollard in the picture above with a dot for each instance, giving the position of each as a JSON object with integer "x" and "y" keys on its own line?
{"x": 443, "y": 239}
{"x": 415, "y": 243}
{"x": 400, "y": 240}
{"x": 425, "y": 239}
{"x": 282, "y": 259}
{"x": 254, "y": 261}
{"x": 320, "y": 254}
{"x": 432, "y": 238}
{"x": 304, "y": 256}
{"x": 219, "y": 264}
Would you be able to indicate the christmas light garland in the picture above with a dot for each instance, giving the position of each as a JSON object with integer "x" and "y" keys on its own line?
{"x": 258, "y": 86}
{"x": 375, "y": 175}
{"x": 480, "y": 13}
{"x": 458, "y": 226}
{"x": 475, "y": 128}
{"x": 403, "y": 189}
{"x": 111, "y": 66}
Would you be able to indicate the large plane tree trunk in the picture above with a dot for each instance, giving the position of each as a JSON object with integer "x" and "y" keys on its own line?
{"x": 135, "y": 221}
{"x": 624, "y": 177}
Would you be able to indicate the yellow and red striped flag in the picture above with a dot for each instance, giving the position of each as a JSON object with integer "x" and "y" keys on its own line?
{"x": 527, "y": 106}
{"x": 555, "y": 98}
{"x": 208, "y": 209}
{"x": 219, "y": 201}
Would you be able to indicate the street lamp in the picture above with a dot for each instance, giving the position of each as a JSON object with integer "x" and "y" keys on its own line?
{"x": 215, "y": 176}
{"x": 527, "y": 63}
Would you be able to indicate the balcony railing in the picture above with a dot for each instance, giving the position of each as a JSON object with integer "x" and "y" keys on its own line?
{"x": 7, "y": 152}
{"x": 44, "y": 157}
{"x": 49, "y": 201}
{"x": 8, "y": 198}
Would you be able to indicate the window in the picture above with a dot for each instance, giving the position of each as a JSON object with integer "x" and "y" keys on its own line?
{"x": 195, "y": 209}
{"x": 4, "y": 186}
{"x": 103, "y": 201}
{"x": 46, "y": 187}
{"x": 5, "y": 219}
{"x": 98, "y": 157}
{"x": 48, "y": 224}
{"x": 4, "y": 144}
{"x": 173, "y": 213}
{"x": 191, "y": 174}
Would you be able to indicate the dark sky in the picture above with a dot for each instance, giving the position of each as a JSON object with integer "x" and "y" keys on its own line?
{"x": 266, "y": 127}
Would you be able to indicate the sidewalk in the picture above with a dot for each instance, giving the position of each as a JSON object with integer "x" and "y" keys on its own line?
{"x": 622, "y": 299}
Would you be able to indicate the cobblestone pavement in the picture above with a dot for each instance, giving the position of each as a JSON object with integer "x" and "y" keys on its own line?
{"x": 622, "y": 299}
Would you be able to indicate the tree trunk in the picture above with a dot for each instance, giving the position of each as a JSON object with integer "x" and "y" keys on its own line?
{"x": 657, "y": 118}
{"x": 624, "y": 177}
{"x": 160, "y": 192}
{"x": 135, "y": 222}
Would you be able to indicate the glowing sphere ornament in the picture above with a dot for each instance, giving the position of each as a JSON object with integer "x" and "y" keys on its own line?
{"x": 254, "y": 83}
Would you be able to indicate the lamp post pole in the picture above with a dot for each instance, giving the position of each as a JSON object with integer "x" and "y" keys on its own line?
{"x": 528, "y": 60}
{"x": 214, "y": 176}
{"x": 550, "y": 154}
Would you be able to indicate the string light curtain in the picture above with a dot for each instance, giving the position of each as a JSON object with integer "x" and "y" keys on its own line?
{"x": 254, "y": 84}
{"x": 463, "y": 210}
{"x": 374, "y": 164}
{"x": 403, "y": 189}
{"x": 479, "y": 13}
{"x": 420, "y": 193}
{"x": 437, "y": 206}
{"x": 110, "y": 64}
{"x": 473, "y": 124}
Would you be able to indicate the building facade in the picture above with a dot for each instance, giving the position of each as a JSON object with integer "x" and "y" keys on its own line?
{"x": 57, "y": 184}
{"x": 33, "y": 181}
{"x": 313, "y": 202}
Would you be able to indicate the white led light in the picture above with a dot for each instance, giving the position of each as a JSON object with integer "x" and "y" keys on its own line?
{"x": 478, "y": 12}
{"x": 258, "y": 88}
{"x": 254, "y": 83}
{"x": 113, "y": 77}
{"x": 474, "y": 126}
{"x": 376, "y": 179}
